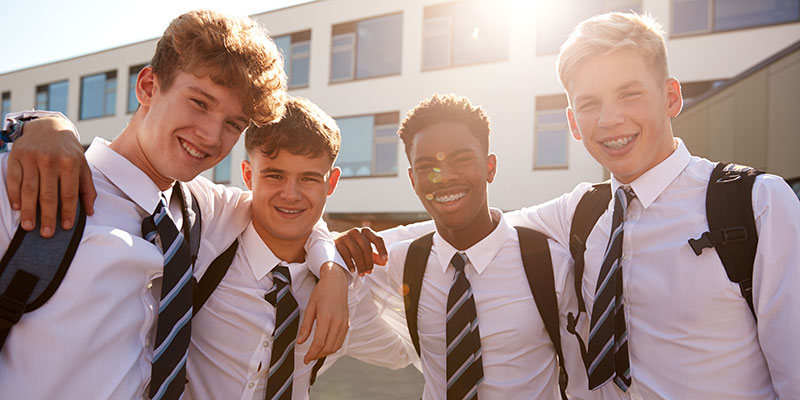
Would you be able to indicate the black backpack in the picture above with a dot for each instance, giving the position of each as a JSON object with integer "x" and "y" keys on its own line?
{"x": 538, "y": 266}
{"x": 731, "y": 223}
{"x": 26, "y": 286}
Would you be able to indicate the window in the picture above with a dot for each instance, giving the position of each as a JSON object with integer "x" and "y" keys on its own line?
{"x": 52, "y": 97}
{"x": 552, "y": 133}
{"x": 369, "y": 145}
{"x": 693, "y": 90}
{"x": 222, "y": 171}
{"x": 5, "y": 107}
{"x": 464, "y": 33}
{"x": 296, "y": 51}
{"x": 557, "y": 19}
{"x": 133, "y": 74}
{"x": 98, "y": 94}
{"x": 366, "y": 48}
{"x": 706, "y": 16}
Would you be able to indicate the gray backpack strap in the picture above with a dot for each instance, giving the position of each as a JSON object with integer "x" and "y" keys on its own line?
{"x": 32, "y": 268}
{"x": 192, "y": 219}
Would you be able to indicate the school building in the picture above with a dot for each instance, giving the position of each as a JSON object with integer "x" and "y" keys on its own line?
{"x": 368, "y": 62}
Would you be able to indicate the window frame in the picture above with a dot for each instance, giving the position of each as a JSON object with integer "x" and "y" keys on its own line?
{"x": 354, "y": 55}
{"x": 376, "y": 140}
{"x": 293, "y": 57}
{"x": 353, "y": 48}
{"x": 710, "y": 23}
{"x": 132, "y": 86}
{"x": 551, "y": 105}
{"x": 4, "y": 97}
{"x": 48, "y": 98}
{"x": 106, "y": 89}
{"x": 426, "y": 35}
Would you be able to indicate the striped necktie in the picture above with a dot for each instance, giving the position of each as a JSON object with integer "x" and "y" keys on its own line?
{"x": 168, "y": 373}
{"x": 287, "y": 319}
{"x": 608, "y": 337}
{"x": 464, "y": 362}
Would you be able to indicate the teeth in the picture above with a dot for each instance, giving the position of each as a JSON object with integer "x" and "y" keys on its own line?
{"x": 449, "y": 197}
{"x": 285, "y": 210}
{"x": 619, "y": 143}
{"x": 191, "y": 150}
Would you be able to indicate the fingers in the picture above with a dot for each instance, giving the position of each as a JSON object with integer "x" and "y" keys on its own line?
{"x": 320, "y": 339}
{"x": 382, "y": 255}
{"x": 344, "y": 251}
{"x": 308, "y": 322}
{"x": 29, "y": 193}
{"x": 360, "y": 250}
{"x": 14, "y": 181}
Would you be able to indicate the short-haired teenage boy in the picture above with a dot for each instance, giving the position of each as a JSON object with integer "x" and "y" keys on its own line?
{"x": 237, "y": 334}
{"x": 446, "y": 140}
{"x": 101, "y": 334}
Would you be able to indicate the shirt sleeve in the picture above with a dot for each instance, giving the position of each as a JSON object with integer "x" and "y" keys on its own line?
{"x": 776, "y": 279}
{"x": 553, "y": 218}
{"x": 321, "y": 249}
{"x": 406, "y": 232}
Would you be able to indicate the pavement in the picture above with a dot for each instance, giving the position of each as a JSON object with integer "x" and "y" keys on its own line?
{"x": 353, "y": 379}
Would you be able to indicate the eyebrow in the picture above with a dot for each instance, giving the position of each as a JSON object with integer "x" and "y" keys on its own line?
{"x": 214, "y": 100}
{"x": 452, "y": 154}
{"x": 628, "y": 84}
{"x": 267, "y": 170}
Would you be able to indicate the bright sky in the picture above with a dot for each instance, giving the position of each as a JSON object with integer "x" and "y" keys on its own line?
{"x": 42, "y": 31}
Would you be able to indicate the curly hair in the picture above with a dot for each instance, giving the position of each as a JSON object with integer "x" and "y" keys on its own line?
{"x": 232, "y": 51}
{"x": 304, "y": 130}
{"x": 445, "y": 108}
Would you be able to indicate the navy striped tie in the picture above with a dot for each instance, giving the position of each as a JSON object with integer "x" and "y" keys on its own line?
{"x": 464, "y": 361}
{"x": 287, "y": 319}
{"x": 608, "y": 337}
{"x": 168, "y": 374}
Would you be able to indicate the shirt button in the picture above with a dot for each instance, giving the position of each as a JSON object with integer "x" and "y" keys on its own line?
{"x": 251, "y": 385}
{"x": 150, "y": 285}
{"x": 266, "y": 344}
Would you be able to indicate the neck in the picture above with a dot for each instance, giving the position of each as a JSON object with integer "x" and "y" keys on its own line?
{"x": 465, "y": 237}
{"x": 291, "y": 250}
{"x": 128, "y": 145}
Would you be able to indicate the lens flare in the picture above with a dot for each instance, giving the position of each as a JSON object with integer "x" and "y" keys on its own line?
{"x": 440, "y": 156}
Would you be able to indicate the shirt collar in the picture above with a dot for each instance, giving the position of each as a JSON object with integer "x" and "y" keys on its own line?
{"x": 481, "y": 253}
{"x": 654, "y": 181}
{"x": 261, "y": 258}
{"x": 124, "y": 175}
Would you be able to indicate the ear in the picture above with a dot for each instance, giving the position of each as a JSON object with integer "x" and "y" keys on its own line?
{"x": 411, "y": 177}
{"x": 674, "y": 97}
{"x": 247, "y": 174}
{"x": 145, "y": 86}
{"x": 492, "y": 170}
{"x": 333, "y": 179}
{"x": 573, "y": 125}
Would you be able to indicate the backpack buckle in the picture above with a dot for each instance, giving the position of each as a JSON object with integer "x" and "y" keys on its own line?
{"x": 11, "y": 311}
{"x": 718, "y": 237}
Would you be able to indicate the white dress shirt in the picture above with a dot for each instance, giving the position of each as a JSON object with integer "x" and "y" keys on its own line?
{"x": 232, "y": 338}
{"x": 518, "y": 357}
{"x": 92, "y": 339}
{"x": 691, "y": 333}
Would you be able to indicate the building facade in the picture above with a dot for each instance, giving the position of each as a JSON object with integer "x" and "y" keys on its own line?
{"x": 368, "y": 62}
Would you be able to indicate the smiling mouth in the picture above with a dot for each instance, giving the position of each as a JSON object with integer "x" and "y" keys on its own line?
{"x": 617, "y": 144}
{"x": 192, "y": 150}
{"x": 288, "y": 211}
{"x": 446, "y": 198}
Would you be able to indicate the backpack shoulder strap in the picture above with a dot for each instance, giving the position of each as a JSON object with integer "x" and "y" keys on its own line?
{"x": 32, "y": 268}
{"x": 213, "y": 276}
{"x": 538, "y": 266}
{"x": 413, "y": 271}
{"x": 731, "y": 224}
{"x": 590, "y": 207}
{"x": 192, "y": 219}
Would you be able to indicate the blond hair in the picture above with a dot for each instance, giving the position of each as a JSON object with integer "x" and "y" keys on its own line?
{"x": 603, "y": 34}
{"x": 231, "y": 51}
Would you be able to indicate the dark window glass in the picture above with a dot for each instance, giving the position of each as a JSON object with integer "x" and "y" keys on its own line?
{"x": 98, "y": 95}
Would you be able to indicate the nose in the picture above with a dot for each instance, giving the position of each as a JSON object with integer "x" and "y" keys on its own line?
{"x": 290, "y": 191}
{"x": 448, "y": 172}
{"x": 610, "y": 116}
{"x": 210, "y": 131}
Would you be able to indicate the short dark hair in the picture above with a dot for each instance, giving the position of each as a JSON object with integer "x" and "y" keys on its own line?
{"x": 445, "y": 108}
{"x": 304, "y": 129}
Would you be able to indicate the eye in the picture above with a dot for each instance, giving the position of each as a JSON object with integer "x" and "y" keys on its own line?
{"x": 199, "y": 103}
{"x": 235, "y": 126}
{"x": 310, "y": 179}
{"x": 464, "y": 159}
{"x": 587, "y": 106}
{"x": 628, "y": 95}
{"x": 277, "y": 177}
{"x": 423, "y": 166}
